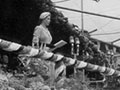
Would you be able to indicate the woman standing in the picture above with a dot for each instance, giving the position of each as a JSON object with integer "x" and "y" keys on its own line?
{"x": 41, "y": 35}
{"x": 41, "y": 38}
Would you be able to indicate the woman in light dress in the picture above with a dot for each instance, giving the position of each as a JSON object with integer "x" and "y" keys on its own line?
{"x": 41, "y": 38}
{"x": 41, "y": 35}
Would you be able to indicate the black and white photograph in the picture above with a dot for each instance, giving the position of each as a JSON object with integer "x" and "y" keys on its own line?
{"x": 59, "y": 44}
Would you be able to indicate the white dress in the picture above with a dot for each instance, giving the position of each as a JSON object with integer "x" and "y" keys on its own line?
{"x": 41, "y": 37}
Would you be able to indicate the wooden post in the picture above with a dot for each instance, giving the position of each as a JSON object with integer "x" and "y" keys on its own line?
{"x": 98, "y": 45}
{"x": 52, "y": 74}
{"x": 106, "y": 47}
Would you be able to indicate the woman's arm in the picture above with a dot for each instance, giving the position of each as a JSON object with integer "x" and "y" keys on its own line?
{"x": 36, "y": 35}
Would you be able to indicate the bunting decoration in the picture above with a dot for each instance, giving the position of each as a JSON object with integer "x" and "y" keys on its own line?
{"x": 36, "y": 53}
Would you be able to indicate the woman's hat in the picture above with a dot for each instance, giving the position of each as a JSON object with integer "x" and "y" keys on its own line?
{"x": 44, "y": 15}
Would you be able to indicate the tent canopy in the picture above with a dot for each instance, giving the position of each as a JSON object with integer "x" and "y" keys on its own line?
{"x": 108, "y": 29}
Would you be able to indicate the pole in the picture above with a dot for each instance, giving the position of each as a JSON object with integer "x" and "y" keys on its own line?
{"x": 82, "y": 27}
{"x": 82, "y": 18}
